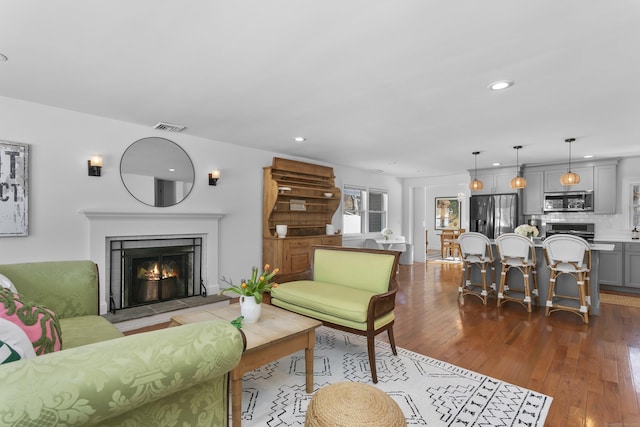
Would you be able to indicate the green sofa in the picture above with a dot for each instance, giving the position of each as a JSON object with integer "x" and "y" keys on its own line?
{"x": 70, "y": 289}
{"x": 170, "y": 377}
{"x": 351, "y": 289}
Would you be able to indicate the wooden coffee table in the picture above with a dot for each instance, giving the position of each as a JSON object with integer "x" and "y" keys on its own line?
{"x": 277, "y": 334}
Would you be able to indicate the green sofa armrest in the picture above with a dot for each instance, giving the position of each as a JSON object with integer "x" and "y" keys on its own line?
{"x": 69, "y": 288}
{"x": 176, "y": 374}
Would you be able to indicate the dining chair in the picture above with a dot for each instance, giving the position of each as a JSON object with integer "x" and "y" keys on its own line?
{"x": 449, "y": 243}
{"x": 372, "y": 244}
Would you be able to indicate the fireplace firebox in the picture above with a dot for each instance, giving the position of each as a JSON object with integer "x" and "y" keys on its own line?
{"x": 148, "y": 271}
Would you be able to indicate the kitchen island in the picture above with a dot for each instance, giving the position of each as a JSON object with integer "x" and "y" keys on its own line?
{"x": 564, "y": 284}
{"x": 620, "y": 268}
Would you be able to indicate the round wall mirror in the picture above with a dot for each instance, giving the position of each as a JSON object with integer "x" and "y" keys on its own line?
{"x": 157, "y": 172}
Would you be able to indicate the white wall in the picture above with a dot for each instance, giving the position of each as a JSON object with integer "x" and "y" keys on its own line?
{"x": 62, "y": 141}
{"x": 420, "y": 208}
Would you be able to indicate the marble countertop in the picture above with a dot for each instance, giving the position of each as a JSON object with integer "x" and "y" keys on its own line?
{"x": 615, "y": 239}
{"x": 593, "y": 246}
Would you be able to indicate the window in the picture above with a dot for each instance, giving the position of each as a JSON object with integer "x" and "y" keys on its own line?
{"x": 353, "y": 212}
{"x": 363, "y": 210}
{"x": 377, "y": 210}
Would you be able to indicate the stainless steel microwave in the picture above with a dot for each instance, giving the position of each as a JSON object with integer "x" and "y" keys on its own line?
{"x": 568, "y": 201}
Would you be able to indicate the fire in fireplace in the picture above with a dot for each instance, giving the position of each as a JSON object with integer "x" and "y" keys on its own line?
{"x": 158, "y": 278}
{"x": 154, "y": 270}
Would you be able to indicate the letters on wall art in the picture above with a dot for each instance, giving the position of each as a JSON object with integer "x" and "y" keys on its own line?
{"x": 14, "y": 176}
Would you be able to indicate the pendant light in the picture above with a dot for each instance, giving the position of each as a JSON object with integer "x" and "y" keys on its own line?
{"x": 476, "y": 184}
{"x": 518, "y": 182}
{"x": 570, "y": 178}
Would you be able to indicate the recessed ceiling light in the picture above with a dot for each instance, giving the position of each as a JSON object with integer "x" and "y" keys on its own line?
{"x": 496, "y": 164}
{"x": 588, "y": 156}
{"x": 501, "y": 85}
{"x": 299, "y": 139}
{"x": 172, "y": 170}
{"x": 374, "y": 171}
{"x": 3, "y": 58}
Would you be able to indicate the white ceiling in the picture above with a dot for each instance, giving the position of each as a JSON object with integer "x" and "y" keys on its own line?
{"x": 399, "y": 86}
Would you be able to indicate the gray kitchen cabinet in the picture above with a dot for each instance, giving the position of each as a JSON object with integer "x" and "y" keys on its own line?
{"x": 611, "y": 271}
{"x": 605, "y": 188}
{"x": 632, "y": 264}
{"x": 533, "y": 194}
{"x": 494, "y": 180}
{"x": 552, "y": 179}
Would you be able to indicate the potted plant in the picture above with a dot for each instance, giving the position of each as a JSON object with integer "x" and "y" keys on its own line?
{"x": 251, "y": 291}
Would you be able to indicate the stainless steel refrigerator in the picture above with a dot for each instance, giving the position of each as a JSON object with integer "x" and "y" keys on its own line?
{"x": 493, "y": 214}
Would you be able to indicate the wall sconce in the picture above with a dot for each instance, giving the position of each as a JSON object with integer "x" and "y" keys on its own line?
{"x": 214, "y": 176}
{"x": 95, "y": 165}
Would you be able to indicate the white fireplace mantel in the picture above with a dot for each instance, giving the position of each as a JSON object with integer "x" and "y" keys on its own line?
{"x": 108, "y": 224}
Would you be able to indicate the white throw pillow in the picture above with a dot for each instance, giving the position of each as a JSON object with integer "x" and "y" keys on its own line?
{"x": 13, "y": 335}
{"x": 6, "y": 283}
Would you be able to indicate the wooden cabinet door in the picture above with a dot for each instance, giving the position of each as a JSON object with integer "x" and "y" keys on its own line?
{"x": 297, "y": 255}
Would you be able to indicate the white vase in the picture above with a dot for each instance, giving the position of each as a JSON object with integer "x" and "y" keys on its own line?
{"x": 249, "y": 309}
{"x": 281, "y": 230}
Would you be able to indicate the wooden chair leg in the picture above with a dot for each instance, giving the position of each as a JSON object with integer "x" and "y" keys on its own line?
{"x": 552, "y": 286}
{"x": 584, "y": 309}
{"x": 503, "y": 277}
{"x": 463, "y": 279}
{"x": 371, "y": 349}
{"x": 526, "y": 272}
{"x": 392, "y": 341}
{"x": 535, "y": 291}
{"x": 483, "y": 275}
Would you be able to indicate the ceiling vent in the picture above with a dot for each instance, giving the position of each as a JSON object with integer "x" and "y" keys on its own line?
{"x": 169, "y": 127}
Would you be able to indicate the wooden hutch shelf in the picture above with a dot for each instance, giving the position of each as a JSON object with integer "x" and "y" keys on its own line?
{"x": 302, "y": 196}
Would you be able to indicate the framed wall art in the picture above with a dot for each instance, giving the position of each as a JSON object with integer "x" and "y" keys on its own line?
{"x": 447, "y": 213}
{"x": 14, "y": 194}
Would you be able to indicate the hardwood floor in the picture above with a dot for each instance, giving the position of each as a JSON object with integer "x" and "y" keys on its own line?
{"x": 591, "y": 371}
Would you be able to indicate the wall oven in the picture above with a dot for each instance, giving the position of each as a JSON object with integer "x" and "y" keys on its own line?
{"x": 568, "y": 201}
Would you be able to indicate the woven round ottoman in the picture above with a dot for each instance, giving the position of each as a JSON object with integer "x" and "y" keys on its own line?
{"x": 350, "y": 404}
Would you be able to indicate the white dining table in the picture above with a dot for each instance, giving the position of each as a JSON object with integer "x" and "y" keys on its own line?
{"x": 386, "y": 243}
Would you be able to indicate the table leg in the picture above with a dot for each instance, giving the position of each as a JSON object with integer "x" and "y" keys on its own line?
{"x": 308, "y": 359}
{"x": 236, "y": 398}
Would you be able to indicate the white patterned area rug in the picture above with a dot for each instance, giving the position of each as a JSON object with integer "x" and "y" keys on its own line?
{"x": 429, "y": 392}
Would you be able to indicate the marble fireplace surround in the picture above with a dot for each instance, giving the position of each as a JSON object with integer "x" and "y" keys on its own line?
{"x": 109, "y": 224}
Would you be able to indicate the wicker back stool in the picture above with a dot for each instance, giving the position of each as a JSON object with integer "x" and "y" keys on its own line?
{"x": 352, "y": 404}
{"x": 517, "y": 253}
{"x": 475, "y": 249}
{"x": 570, "y": 256}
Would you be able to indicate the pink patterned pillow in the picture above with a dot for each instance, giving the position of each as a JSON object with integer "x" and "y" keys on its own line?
{"x": 38, "y": 322}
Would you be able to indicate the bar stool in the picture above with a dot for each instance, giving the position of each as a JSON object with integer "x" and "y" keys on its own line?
{"x": 517, "y": 252}
{"x": 570, "y": 255}
{"x": 475, "y": 249}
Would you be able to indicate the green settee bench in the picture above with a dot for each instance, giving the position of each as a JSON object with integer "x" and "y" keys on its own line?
{"x": 350, "y": 289}
{"x": 173, "y": 376}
